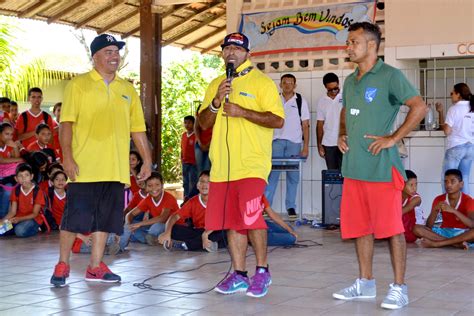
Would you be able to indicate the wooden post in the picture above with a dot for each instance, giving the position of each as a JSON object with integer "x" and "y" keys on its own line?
{"x": 150, "y": 75}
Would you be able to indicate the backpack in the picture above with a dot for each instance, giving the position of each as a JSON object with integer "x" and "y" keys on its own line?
{"x": 25, "y": 119}
{"x": 46, "y": 215}
{"x": 299, "y": 102}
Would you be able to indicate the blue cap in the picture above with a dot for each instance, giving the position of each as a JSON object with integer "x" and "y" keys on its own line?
{"x": 237, "y": 39}
{"x": 104, "y": 40}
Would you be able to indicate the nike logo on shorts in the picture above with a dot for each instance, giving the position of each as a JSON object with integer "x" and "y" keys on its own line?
{"x": 253, "y": 210}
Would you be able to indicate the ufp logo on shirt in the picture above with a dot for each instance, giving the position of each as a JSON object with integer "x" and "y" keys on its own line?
{"x": 355, "y": 112}
{"x": 370, "y": 94}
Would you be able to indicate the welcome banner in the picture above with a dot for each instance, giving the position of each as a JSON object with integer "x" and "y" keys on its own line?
{"x": 304, "y": 29}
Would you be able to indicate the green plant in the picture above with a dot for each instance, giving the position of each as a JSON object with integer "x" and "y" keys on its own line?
{"x": 184, "y": 85}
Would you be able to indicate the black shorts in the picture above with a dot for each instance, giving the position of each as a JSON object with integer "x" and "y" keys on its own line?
{"x": 94, "y": 207}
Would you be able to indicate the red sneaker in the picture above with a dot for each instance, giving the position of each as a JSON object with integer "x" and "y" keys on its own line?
{"x": 61, "y": 273}
{"x": 101, "y": 273}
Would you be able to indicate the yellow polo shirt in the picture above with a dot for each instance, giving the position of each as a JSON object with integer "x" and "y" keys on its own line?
{"x": 250, "y": 145}
{"x": 103, "y": 117}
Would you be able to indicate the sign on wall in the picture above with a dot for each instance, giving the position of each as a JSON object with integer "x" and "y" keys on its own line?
{"x": 304, "y": 29}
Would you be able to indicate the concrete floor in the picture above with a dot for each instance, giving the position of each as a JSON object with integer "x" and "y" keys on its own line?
{"x": 441, "y": 281}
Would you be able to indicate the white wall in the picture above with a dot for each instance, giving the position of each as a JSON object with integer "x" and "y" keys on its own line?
{"x": 310, "y": 85}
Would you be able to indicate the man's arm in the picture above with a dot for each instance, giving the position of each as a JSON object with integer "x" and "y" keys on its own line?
{"x": 265, "y": 119}
{"x": 23, "y": 136}
{"x": 141, "y": 142}
{"x": 65, "y": 139}
{"x": 319, "y": 137}
{"x": 418, "y": 110}
{"x": 305, "y": 150}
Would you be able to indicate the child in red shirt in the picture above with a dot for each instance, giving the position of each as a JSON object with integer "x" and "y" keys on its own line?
{"x": 456, "y": 209}
{"x": 158, "y": 203}
{"x": 185, "y": 228}
{"x": 410, "y": 207}
{"x": 43, "y": 141}
{"x": 28, "y": 120}
{"x": 188, "y": 158}
{"x": 25, "y": 208}
{"x": 9, "y": 151}
{"x": 57, "y": 195}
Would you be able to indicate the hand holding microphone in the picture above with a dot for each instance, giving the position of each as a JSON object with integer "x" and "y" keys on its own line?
{"x": 229, "y": 74}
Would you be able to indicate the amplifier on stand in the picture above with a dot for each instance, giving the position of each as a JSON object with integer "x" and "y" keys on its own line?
{"x": 331, "y": 196}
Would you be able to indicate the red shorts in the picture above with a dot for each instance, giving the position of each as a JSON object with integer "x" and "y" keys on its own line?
{"x": 372, "y": 208}
{"x": 236, "y": 205}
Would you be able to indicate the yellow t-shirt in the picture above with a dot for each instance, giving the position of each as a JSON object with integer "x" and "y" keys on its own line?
{"x": 250, "y": 145}
{"x": 103, "y": 117}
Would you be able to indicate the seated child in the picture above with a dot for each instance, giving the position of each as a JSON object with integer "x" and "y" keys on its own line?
{"x": 57, "y": 196}
{"x": 43, "y": 141}
{"x": 158, "y": 203}
{"x": 185, "y": 229}
{"x": 279, "y": 233}
{"x": 25, "y": 208}
{"x": 136, "y": 199}
{"x": 47, "y": 183}
{"x": 455, "y": 207}
{"x": 9, "y": 160}
{"x": 410, "y": 206}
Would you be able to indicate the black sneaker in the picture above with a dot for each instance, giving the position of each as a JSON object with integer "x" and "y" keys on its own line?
{"x": 291, "y": 213}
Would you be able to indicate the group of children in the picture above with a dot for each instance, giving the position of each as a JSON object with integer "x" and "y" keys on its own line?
{"x": 451, "y": 220}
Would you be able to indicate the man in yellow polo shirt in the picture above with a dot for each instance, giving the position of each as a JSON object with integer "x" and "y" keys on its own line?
{"x": 99, "y": 113}
{"x": 241, "y": 151}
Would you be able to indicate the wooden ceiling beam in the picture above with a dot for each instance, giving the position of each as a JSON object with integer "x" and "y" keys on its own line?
{"x": 99, "y": 13}
{"x": 202, "y": 38}
{"x": 209, "y": 48}
{"x": 193, "y": 17}
{"x": 65, "y": 11}
{"x": 171, "y": 2}
{"x": 131, "y": 32}
{"x": 192, "y": 29}
{"x": 172, "y": 11}
{"x": 32, "y": 9}
{"x": 117, "y": 22}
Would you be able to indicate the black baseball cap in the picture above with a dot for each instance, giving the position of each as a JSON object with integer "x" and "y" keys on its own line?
{"x": 237, "y": 39}
{"x": 104, "y": 40}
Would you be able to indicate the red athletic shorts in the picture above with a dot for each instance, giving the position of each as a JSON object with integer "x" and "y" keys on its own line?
{"x": 372, "y": 208}
{"x": 236, "y": 205}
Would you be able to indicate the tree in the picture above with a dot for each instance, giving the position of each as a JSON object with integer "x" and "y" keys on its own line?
{"x": 184, "y": 85}
{"x": 16, "y": 76}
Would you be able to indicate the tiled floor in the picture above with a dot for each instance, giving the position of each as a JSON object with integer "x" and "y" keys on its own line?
{"x": 441, "y": 282}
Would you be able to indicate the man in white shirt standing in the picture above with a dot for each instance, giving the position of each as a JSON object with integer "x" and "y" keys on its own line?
{"x": 290, "y": 141}
{"x": 328, "y": 111}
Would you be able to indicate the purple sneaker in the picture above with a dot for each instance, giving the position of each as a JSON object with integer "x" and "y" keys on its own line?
{"x": 259, "y": 283}
{"x": 233, "y": 284}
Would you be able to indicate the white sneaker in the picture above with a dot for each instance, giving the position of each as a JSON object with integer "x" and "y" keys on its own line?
{"x": 362, "y": 288}
{"x": 396, "y": 298}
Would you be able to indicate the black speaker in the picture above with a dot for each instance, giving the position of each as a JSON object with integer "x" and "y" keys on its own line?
{"x": 331, "y": 196}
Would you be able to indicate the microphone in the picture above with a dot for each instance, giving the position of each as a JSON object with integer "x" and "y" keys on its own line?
{"x": 229, "y": 73}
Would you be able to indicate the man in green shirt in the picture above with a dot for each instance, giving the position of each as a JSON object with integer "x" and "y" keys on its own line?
{"x": 373, "y": 172}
